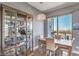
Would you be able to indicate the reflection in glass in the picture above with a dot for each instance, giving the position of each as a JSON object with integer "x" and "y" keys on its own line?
{"x": 50, "y": 27}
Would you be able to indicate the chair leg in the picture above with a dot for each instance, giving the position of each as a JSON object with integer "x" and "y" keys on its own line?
{"x": 47, "y": 52}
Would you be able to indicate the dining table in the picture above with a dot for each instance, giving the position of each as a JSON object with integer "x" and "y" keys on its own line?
{"x": 62, "y": 43}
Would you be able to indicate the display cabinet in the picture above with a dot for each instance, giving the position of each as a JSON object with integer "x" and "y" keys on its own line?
{"x": 0, "y": 28}
{"x": 17, "y": 32}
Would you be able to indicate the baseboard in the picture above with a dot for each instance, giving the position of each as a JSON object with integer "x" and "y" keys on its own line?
{"x": 35, "y": 47}
{"x": 76, "y": 52}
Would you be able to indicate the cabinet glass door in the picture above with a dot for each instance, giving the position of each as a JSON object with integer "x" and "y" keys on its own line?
{"x": 29, "y": 35}
{"x": 21, "y": 35}
{"x": 9, "y": 33}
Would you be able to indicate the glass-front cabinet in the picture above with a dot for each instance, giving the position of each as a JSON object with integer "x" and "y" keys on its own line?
{"x": 16, "y": 33}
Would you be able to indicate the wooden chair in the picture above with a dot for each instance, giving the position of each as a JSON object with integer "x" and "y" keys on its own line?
{"x": 42, "y": 46}
{"x": 50, "y": 47}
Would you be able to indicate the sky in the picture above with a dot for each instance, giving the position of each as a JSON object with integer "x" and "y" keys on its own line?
{"x": 64, "y": 22}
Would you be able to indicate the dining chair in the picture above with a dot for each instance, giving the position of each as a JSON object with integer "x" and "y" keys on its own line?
{"x": 50, "y": 47}
{"x": 42, "y": 46}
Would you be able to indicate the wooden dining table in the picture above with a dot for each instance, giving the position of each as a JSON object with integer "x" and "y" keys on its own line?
{"x": 69, "y": 48}
{"x": 59, "y": 44}
{"x": 65, "y": 44}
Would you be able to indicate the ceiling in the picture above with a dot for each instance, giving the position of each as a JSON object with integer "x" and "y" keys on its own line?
{"x": 42, "y": 6}
{"x": 50, "y": 6}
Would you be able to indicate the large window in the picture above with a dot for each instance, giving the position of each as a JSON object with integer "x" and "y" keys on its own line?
{"x": 60, "y": 27}
{"x": 55, "y": 27}
{"x": 50, "y": 27}
{"x": 65, "y": 26}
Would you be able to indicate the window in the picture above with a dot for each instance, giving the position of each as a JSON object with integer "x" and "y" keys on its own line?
{"x": 60, "y": 26}
{"x": 65, "y": 26}
{"x": 50, "y": 26}
{"x": 55, "y": 27}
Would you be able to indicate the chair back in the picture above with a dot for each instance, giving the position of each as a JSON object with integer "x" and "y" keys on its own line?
{"x": 50, "y": 43}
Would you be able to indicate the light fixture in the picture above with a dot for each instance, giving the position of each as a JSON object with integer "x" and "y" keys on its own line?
{"x": 41, "y": 2}
{"x": 41, "y": 16}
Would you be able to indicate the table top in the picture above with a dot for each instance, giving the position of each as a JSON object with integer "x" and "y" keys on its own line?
{"x": 64, "y": 42}
{"x": 61, "y": 41}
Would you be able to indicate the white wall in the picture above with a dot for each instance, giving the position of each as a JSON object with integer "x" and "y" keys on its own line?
{"x": 38, "y": 30}
{"x": 37, "y": 25}
{"x": 76, "y": 32}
